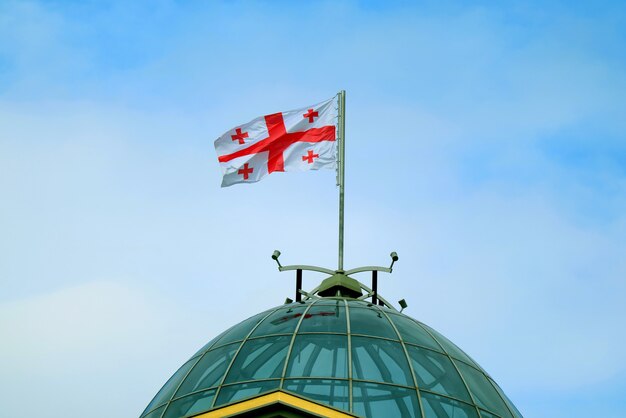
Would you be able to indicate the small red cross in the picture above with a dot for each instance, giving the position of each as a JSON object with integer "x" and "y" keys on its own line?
{"x": 311, "y": 115}
{"x": 245, "y": 171}
{"x": 310, "y": 157}
{"x": 239, "y": 135}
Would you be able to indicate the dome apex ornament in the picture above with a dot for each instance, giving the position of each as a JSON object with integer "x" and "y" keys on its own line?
{"x": 340, "y": 284}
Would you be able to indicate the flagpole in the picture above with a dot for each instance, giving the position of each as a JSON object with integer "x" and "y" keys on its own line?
{"x": 341, "y": 169}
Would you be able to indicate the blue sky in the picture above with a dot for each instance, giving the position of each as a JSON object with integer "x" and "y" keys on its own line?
{"x": 486, "y": 143}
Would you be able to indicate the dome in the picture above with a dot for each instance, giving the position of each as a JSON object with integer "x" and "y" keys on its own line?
{"x": 348, "y": 354}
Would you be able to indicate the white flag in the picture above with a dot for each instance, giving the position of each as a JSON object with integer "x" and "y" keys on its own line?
{"x": 296, "y": 140}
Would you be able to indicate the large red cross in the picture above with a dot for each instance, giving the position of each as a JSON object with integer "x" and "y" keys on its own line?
{"x": 310, "y": 157}
{"x": 311, "y": 115}
{"x": 279, "y": 140}
{"x": 245, "y": 171}
{"x": 239, "y": 136}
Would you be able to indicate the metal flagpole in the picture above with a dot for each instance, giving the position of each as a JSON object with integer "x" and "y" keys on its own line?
{"x": 340, "y": 282}
{"x": 341, "y": 169}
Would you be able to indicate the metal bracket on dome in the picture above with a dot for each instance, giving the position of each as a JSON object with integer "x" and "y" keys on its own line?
{"x": 377, "y": 296}
{"x": 308, "y": 295}
{"x": 305, "y": 267}
{"x": 339, "y": 280}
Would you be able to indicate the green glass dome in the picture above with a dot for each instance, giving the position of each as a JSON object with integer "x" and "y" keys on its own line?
{"x": 350, "y": 354}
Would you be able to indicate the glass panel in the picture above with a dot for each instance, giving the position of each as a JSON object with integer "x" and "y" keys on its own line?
{"x": 435, "y": 372}
{"x": 166, "y": 392}
{"x": 376, "y": 400}
{"x": 359, "y": 304}
{"x": 485, "y": 414}
{"x": 319, "y": 355}
{"x": 241, "y": 330}
{"x": 155, "y": 414}
{"x": 436, "y": 406}
{"x": 370, "y": 322}
{"x": 331, "y": 392}
{"x": 261, "y": 358}
{"x": 325, "y": 318}
{"x": 190, "y": 405}
{"x": 283, "y": 321}
{"x": 412, "y": 333}
{"x": 484, "y": 393}
{"x": 451, "y": 348}
{"x": 206, "y": 346}
{"x": 209, "y": 370}
{"x": 328, "y": 301}
{"x": 380, "y": 360}
{"x": 234, "y": 393}
{"x": 508, "y": 402}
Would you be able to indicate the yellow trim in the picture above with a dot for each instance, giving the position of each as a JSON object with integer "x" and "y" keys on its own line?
{"x": 272, "y": 398}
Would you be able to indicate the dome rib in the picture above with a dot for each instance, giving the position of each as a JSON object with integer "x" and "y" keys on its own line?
{"x": 349, "y": 332}
{"x": 408, "y": 359}
{"x": 293, "y": 338}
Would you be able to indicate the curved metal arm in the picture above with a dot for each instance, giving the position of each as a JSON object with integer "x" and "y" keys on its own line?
{"x": 368, "y": 268}
{"x": 389, "y": 305}
{"x": 309, "y": 268}
{"x": 308, "y": 295}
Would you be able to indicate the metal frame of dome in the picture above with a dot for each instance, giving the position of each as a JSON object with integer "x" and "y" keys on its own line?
{"x": 397, "y": 366}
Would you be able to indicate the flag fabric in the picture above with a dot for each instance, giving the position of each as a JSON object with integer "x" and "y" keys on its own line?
{"x": 296, "y": 140}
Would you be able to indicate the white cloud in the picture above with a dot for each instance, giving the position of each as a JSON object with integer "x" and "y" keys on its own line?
{"x": 65, "y": 328}
{"x": 88, "y": 345}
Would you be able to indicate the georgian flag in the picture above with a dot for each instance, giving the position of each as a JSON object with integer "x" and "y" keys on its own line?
{"x": 296, "y": 140}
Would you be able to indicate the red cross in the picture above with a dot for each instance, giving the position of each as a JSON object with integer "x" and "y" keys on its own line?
{"x": 245, "y": 171}
{"x": 239, "y": 136}
{"x": 311, "y": 115}
{"x": 279, "y": 140}
{"x": 310, "y": 157}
